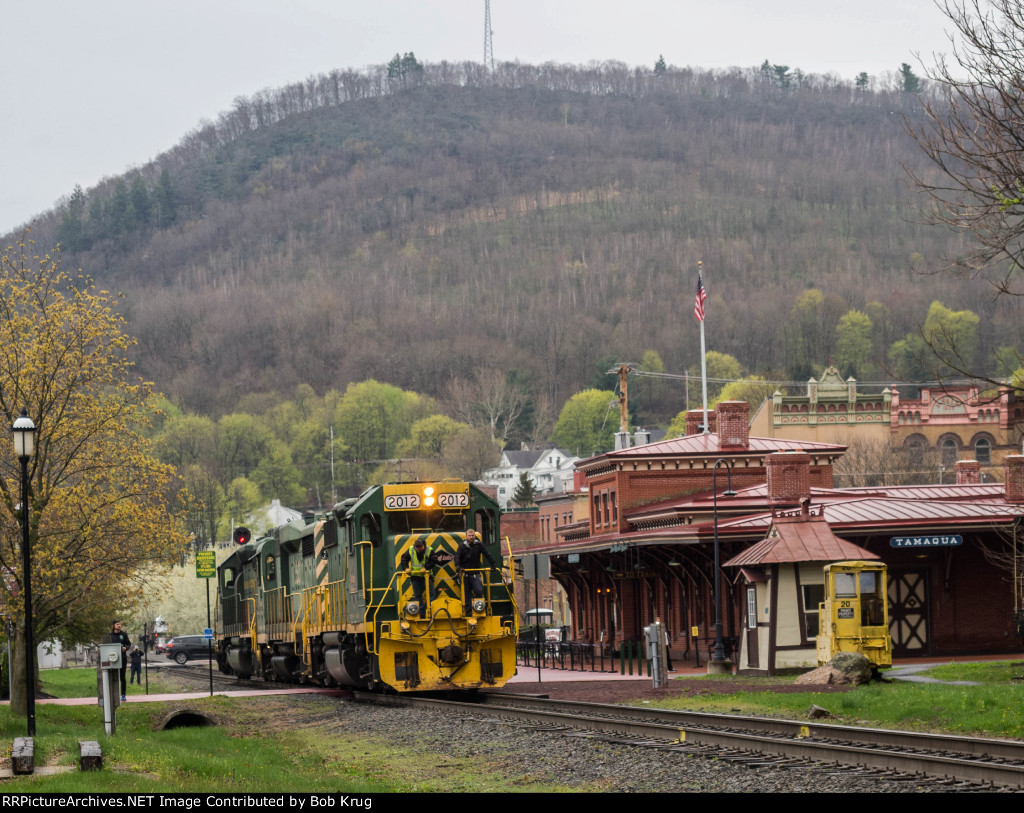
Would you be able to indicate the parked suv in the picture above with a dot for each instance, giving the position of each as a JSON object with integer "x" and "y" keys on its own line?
{"x": 182, "y": 647}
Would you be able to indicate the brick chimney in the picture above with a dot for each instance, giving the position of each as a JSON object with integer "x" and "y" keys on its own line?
{"x": 733, "y": 424}
{"x": 968, "y": 472}
{"x": 695, "y": 417}
{"x": 789, "y": 478}
{"x": 1013, "y": 477}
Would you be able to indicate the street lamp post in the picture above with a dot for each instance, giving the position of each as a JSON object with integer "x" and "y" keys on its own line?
{"x": 24, "y": 446}
{"x": 719, "y": 655}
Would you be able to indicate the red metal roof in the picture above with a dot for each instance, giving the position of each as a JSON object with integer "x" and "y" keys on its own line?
{"x": 799, "y": 539}
{"x": 709, "y": 446}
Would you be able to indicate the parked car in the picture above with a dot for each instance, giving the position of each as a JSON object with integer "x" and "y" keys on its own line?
{"x": 182, "y": 647}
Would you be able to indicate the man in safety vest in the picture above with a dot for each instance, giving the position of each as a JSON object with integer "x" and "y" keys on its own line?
{"x": 419, "y": 561}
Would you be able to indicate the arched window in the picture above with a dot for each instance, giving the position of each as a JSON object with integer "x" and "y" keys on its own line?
{"x": 983, "y": 450}
{"x": 915, "y": 446}
{"x": 949, "y": 449}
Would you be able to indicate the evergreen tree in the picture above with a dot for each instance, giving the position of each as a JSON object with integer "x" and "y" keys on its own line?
{"x": 909, "y": 81}
{"x": 524, "y": 494}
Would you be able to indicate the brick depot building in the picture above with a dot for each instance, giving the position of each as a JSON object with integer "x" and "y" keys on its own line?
{"x": 646, "y": 550}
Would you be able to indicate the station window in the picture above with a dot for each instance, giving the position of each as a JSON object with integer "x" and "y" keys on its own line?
{"x": 814, "y": 594}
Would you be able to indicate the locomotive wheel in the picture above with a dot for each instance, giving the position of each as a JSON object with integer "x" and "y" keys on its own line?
{"x": 181, "y": 658}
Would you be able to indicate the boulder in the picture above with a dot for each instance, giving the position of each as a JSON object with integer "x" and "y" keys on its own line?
{"x": 845, "y": 669}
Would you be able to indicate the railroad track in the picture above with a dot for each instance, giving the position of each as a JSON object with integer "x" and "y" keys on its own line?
{"x": 964, "y": 762}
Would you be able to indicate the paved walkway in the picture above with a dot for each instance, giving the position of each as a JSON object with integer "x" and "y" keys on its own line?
{"x": 904, "y": 669}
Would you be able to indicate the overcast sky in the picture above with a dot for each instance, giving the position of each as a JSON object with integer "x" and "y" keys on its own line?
{"x": 90, "y": 88}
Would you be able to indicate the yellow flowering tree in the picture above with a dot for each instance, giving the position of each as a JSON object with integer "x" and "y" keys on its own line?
{"x": 100, "y": 504}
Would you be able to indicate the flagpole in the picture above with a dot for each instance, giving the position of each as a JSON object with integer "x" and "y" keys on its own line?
{"x": 699, "y": 312}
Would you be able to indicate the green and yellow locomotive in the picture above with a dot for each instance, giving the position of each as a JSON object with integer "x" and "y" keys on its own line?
{"x": 326, "y": 602}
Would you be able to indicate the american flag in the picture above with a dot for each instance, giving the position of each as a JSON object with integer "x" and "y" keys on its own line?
{"x": 698, "y": 308}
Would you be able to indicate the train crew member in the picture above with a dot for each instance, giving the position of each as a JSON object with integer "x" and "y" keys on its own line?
{"x": 119, "y": 636}
{"x": 467, "y": 557}
{"x": 419, "y": 561}
{"x": 136, "y": 658}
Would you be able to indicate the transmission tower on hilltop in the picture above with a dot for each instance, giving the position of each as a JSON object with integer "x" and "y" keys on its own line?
{"x": 488, "y": 41}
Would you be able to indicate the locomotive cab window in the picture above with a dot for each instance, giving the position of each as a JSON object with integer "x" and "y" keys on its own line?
{"x": 228, "y": 575}
{"x": 846, "y": 585}
{"x": 483, "y": 523}
{"x": 370, "y": 527}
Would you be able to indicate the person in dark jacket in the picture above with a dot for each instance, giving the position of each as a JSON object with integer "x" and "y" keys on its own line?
{"x": 135, "y": 656}
{"x": 419, "y": 561}
{"x": 119, "y": 636}
{"x": 468, "y": 558}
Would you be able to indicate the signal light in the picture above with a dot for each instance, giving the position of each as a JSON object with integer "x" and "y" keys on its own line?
{"x": 242, "y": 536}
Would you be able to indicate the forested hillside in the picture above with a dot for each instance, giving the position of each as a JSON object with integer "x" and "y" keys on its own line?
{"x": 545, "y": 221}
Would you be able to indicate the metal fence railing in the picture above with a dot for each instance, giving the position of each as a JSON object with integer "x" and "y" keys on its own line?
{"x": 572, "y": 655}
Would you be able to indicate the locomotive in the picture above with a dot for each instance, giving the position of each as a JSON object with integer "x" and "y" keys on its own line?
{"x": 855, "y": 614}
{"x": 324, "y": 601}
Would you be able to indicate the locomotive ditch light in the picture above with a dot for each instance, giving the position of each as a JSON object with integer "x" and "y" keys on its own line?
{"x": 478, "y": 605}
{"x": 241, "y": 536}
{"x": 412, "y": 608}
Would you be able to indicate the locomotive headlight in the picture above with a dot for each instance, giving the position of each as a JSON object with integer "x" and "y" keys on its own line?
{"x": 478, "y": 605}
{"x": 428, "y": 495}
{"x": 412, "y": 608}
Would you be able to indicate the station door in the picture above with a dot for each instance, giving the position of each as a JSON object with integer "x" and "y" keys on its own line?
{"x": 908, "y": 612}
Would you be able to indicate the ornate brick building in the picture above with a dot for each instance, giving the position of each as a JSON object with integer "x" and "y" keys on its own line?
{"x": 646, "y": 551}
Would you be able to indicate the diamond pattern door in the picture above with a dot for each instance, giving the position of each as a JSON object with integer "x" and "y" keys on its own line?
{"x": 908, "y": 612}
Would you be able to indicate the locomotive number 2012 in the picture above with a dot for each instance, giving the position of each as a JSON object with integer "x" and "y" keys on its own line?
{"x": 452, "y": 500}
{"x": 398, "y": 502}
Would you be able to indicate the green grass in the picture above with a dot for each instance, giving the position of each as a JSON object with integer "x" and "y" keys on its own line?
{"x": 242, "y": 753}
{"x": 998, "y": 672}
{"x": 995, "y": 708}
{"x": 65, "y": 683}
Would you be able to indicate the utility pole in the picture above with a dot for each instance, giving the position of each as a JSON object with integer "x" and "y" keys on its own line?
{"x": 488, "y": 41}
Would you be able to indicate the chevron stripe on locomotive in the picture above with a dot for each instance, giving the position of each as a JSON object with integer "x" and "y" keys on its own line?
{"x": 324, "y": 601}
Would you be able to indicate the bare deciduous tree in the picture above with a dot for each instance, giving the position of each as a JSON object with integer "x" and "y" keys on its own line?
{"x": 973, "y": 136}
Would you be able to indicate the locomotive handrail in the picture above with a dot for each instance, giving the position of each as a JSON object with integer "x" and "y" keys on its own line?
{"x": 511, "y": 586}
{"x": 372, "y": 625}
{"x": 252, "y": 624}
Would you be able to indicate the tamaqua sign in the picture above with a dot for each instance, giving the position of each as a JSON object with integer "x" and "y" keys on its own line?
{"x": 937, "y": 541}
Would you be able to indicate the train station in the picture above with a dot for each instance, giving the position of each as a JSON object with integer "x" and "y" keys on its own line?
{"x": 654, "y": 526}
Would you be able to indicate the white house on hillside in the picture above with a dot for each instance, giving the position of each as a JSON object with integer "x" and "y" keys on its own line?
{"x": 550, "y": 471}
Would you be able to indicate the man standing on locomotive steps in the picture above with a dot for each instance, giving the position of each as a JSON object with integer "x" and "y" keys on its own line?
{"x": 467, "y": 558}
{"x": 419, "y": 561}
